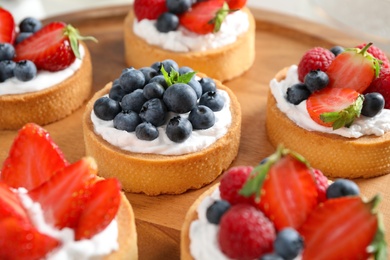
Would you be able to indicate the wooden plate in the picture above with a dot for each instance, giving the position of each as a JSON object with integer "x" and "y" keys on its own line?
{"x": 280, "y": 41}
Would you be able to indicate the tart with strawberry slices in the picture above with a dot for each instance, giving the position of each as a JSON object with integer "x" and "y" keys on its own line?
{"x": 162, "y": 134}
{"x": 214, "y": 36}
{"x": 53, "y": 209}
{"x": 333, "y": 110}
{"x": 59, "y": 75}
{"x": 282, "y": 209}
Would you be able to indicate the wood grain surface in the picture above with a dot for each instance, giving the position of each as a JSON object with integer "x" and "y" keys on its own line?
{"x": 280, "y": 41}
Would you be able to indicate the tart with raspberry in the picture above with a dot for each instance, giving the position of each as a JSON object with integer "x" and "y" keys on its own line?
{"x": 162, "y": 131}
{"x": 214, "y": 36}
{"x": 45, "y": 72}
{"x": 332, "y": 109}
{"x": 52, "y": 209}
{"x": 282, "y": 209}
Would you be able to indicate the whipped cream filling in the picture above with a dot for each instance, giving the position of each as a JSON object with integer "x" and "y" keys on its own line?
{"x": 43, "y": 80}
{"x": 198, "y": 140}
{"x": 362, "y": 126}
{"x": 95, "y": 248}
{"x": 183, "y": 40}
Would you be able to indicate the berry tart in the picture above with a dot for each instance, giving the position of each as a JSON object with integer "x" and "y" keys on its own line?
{"x": 333, "y": 108}
{"x": 162, "y": 131}
{"x": 53, "y": 209}
{"x": 282, "y": 209}
{"x": 216, "y": 37}
{"x": 45, "y": 71}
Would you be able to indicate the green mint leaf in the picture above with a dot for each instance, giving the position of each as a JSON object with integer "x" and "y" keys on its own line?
{"x": 185, "y": 78}
{"x": 166, "y": 76}
{"x": 174, "y": 76}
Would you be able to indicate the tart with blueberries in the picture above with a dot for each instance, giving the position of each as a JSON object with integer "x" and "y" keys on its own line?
{"x": 162, "y": 129}
{"x": 333, "y": 108}
{"x": 216, "y": 37}
{"x": 45, "y": 71}
{"x": 53, "y": 209}
{"x": 283, "y": 209}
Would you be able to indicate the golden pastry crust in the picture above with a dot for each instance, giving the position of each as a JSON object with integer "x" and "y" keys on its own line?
{"x": 48, "y": 105}
{"x": 336, "y": 156}
{"x": 155, "y": 174}
{"x": 223, "y": 63}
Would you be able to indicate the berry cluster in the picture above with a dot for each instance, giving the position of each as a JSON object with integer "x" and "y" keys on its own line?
{"x": 275, "y": 211}
{"x": 199, "y": 16}
{"x": 140, "y": 101}
{"x": 342, "y": 84}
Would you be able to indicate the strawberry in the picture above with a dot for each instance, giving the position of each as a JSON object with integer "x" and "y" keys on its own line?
{"x": 341, "y": 228}
{"x": 62, "y": 198}
{"x": 236, "y": 4}
{"x": 321, "y": 183}
{"x": 7, "y": 27}
{"x": 149, "y": 9}
{"x": 317, "y": 58}
{"x": 20, "y": 240}
{"x": 33, "y": 158}
{"x": 100, "y": 208}
{"x": 245, "y": 233}
{"x": 354, "y": 68}
{"x": 377, "y": 53}
{"x": 335, "y": 107}
{"x": 382, "y": 85}
{"x": 205, "y": 17}
{"x": 10, "y": 205}
{"x": 52, "y": 48}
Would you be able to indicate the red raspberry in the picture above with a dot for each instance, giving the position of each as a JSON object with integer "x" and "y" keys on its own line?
{"x": 313, "y": 59}
{"x": 322, "y": 184}
{"x": 382, "y": 85}
{"x": 149, "y": 9}
{"x": 377, "y": 53}
{"x": 245, "y": 233}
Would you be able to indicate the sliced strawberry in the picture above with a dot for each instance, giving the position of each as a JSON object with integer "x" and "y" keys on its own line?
{"x": 334, "y": 107}
{"x": 33, "y": 158}
{"x": 20, "y": 240}
{"x": 7, "y": 27}
{"x": 100, "y": 208}
{"x": 149, "y": 9}
{"x": 63, "y": 197}
{"x": 236, "y": 4}
{"x": 354, "y": 68}
{"x": 10, "y": 205}
{"x": 340, "y": 228}
{"x": 205, "y": 17}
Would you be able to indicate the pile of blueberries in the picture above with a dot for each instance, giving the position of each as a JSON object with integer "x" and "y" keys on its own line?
{"x": 141, "y": 100}
{"x": 24, "y": 70}
{"x": 169, "y": 21}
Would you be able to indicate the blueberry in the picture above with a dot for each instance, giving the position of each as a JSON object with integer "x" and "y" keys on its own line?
{"x": 153, "y": 90}
{"x": 146, "y": 131}
{"x": 316, "y": 80}
{"x": 297, "y": 93}
{"x": 154, "y": 111}
{"x": 336, "y": 50}
{"x": 30, "y": 24}
{"x": 213, "y": 100}
{"x": 148, "y": 73}
{"x": 216, "y": 210}
{"x": 7, "y": 51}
{"x": 169, "y": 65}
{"x": 373, "y": 104}
{"x": 127, "y": 121}
{"x": 167, "y": 22}
{"x": 133, "y": 101}
{"x": 184, "y": 70}
{"x": 271, "y": 257}
{"x": 106, "y": 108}
{"x": 160, "y": 80}
{"x": 6, "y": 69}
{"x": 208, "y": 84}
{"x": 193, "y": 83}
{"x": 131, "y": 79}
{"x": 25, "y": 70}
{"x": 178, "y": 6}
{"x": 341, "y": 188}
{"x": 288, "y": 243}
{"x": 180, "y": 98}
{"x": 201, "y": 117}
{"x": 178, "y": 129}
{"x": 156, "y": 66}
{"x": 116, "y": 91}
{"x": 21, "y": 36}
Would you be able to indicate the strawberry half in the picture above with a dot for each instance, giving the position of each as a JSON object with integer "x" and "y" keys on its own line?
{"x": 7, "y": 27}
{"x": 33, "y": 158}
{"x": 149, "y": 9}
{"x": 236, "y": 4}
{"x": 335, "y": 107}
{"x": 62, "y": 198}
{"x": 341, "y": 228}
{"x": 52, "y": 48}
{"x": 205, "y": 17}
{"x": 10, "y": 205}
{"x": 100, "y": 208}
{"x": 354, "y": 68}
